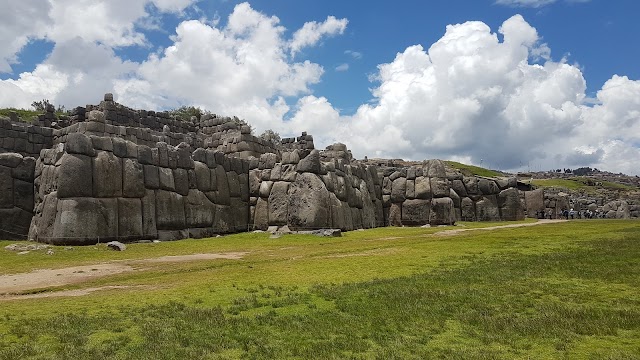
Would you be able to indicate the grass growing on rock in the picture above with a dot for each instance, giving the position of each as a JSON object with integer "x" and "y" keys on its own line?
{"x": 470, "y": 170}
{"x": 568, "y": 290}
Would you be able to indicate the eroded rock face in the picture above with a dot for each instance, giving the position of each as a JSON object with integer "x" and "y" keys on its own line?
{"x": 309, "y": 204}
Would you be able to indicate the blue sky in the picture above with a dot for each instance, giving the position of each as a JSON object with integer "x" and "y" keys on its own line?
{"x": 564, "y": 93}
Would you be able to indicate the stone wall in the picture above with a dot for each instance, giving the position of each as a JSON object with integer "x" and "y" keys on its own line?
{"x": 16, "y": 195}
{"x": 96, "y": 189}
{"x": 432, "y": 194}
{"x": 313, "y": 192}
{"x": 23, "y": 138}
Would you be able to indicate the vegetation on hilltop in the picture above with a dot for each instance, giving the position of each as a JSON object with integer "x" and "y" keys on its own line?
{"x": 585, "y": 184}
{"x": 471, "y": 170}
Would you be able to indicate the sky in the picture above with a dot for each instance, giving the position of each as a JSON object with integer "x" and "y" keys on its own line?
{"x": 513, "y": 85}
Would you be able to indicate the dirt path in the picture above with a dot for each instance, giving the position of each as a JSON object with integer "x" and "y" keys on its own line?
{"x": 458, "y": 231}
{"x": 12, "y": 285}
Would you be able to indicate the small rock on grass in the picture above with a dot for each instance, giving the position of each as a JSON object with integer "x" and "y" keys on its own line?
{"x": 117, "y": 246}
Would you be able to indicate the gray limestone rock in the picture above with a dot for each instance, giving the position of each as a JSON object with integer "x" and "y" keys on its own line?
{"x": 311, "y": 163}
{"x": 395, "y": 214}
{"x": 116, "y": 245}
{"x": 488, "y": 187}
{"x": 261, "y": 215}
{"x": 181, "y": 181}
{"x": 199, "y": 211}
{"x": 23, "y": 195}
{"x": 487, "y": 209}
{"x": 222, "y": 194}
{"x": 167, "y": 181}
{"x": 458, "y": 187}
{"x": 132, "y": 179}
{"x": 10, "y": 160}
{"x": 107, "y": 175}
{"x": 265, "y": 189}
{"x": 442, "y": 212}
{"x": 25, "y": 170}
{"x": 398, "y": 190}
{"x": 468, "y": 208}
{"x": 169, "y": 210}
{"x": 416, "y": 212}
{"x": 203, "y": 176}
{"x": 129, "y": 219}
{"x": 440, "y": 187}
{"x": 234, "y": 184}
{"x": 510, "y": 205}
{"x": 278, "y": 201}
{"x": 423, "y": 188}
{"x": 75, "y": 176}
{"x": 78, "y": 143}
{"x": 149, "y": 228}
{"x": 151, "y": 177}
{"x": 85, "y": 221}
{"x": 309, "y": 205}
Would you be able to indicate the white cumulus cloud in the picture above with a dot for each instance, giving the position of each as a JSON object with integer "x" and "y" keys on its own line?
{"x": 311, "y": 32}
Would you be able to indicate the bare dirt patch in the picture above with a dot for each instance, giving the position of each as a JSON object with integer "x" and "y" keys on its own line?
{"x": 69, "y": 293}
{"x": 13, "y": 284}
{"x": 458, "y": 231}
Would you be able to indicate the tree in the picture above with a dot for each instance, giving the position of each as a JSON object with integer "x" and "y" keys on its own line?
{"x": 270, "y": 135}
{"x": 185, "y": 113}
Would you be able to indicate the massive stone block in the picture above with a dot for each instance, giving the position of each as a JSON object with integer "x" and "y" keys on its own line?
{"x": 14, "y": 223}
{"x": 23, "y": 197}
{"x": 468, "y": 208}
{"x": 132, "y": 179}
{"x": 423, "y": 188}
{"x": 440, "y": 187}
{"x": 85, "y": 221}
{"x": 279, "y": 203}
{"x": 398, "y": 190}
{"x": 442, "y": 212}
{"x": 487, "y": 209}
{"x": 149, "y": 227}
{"x": 169, "y": 211}
{"x": 309, "y": 205}
{"x": 395, "y": 214}
{"x": 510, "y": 206}
{"x": 199, "y": 211}
{"x": 222, "y": 195}
{"x": 167, "y": 181}
{"x": 534, "y": 201}
{"x": 416, "y": 212}
{"x": 129, "y": 219}
{"x": 107, "y": 175}
{"x": 75, "y": 176}
{"x": 261, "y": 215}
{"x": 6, "y": 188}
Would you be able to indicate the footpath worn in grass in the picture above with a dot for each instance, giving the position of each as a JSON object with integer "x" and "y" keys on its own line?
{"x": 569, "y": 290}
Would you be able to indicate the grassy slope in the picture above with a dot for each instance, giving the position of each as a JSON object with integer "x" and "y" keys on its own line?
{"x": 580, "y": 184}
{"x": 566, "y": 290}
{"x": 472, "y": 170}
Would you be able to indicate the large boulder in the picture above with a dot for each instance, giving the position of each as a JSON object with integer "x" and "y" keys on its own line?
{"x": 85, "y": 221}
{"x": 399, "y": 190}
{"x": 279, "y": 203}
{"x": 6, "y": 188}
{"x": 75, "y": 176}
{"x": 534, "y": 201}
{"x": 169, "y": 211}
{"x": 487, "y": 209}
{"x": 442, "y": 212}
{"x": 416, "y": 212}
{"x": 107, "y": 175}
{"x": 198, "y": 210}
{"x": 510, "y": 205}
{"x": 311, "y": 163}
{"x": 309, "y": 205}
{"x": 132, "y": 179}
{"x": 129, "y": 219}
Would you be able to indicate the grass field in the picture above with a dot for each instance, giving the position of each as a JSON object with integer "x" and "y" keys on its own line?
{"x": 568, "y": 290}
{"x": 470, "y": 170}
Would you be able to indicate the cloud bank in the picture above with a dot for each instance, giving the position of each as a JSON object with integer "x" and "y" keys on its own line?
{"x": 474, "y": 95}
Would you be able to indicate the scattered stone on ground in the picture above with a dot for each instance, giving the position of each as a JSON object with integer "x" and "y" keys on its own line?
{"x": 117, "y": 246}
{"x": 22, "y": 247}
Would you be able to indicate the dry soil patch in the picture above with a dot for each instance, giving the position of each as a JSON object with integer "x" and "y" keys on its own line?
{"x": 48, "y": 278}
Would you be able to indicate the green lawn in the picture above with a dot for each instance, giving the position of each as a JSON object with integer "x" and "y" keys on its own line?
{"x": 581, "y": 184}
{"x": 568, "y": 290}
